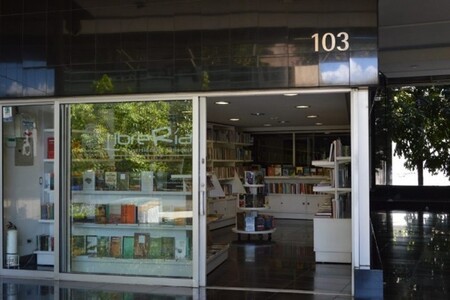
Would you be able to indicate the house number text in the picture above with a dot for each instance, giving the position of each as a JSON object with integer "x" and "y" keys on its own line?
{"x": 329, "y": 41}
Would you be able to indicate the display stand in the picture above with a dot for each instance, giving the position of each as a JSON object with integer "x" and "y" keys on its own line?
{"x": 249, "y": 220}
{"x": 334, "y": 224}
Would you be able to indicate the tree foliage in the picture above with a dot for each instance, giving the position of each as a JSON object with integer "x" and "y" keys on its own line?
{"x": 120, "y": 136}
{"x": 418, "y": 121}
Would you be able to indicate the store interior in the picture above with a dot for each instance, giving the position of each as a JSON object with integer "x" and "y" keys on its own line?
{"x": 287, "y": 130}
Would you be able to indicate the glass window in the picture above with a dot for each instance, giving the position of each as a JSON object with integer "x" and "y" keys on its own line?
{"x": 130, "y": 205}
{"x": 28, "y": 154}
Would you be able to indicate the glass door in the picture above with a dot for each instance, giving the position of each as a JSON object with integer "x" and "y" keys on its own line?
{"x": 28, "y": 155}
{"x": 129, "y": 190}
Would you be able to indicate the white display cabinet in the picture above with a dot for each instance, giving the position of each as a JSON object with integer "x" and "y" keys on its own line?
{"x": 155, "y": 236}
{"x": 292, "y": 197}
{"x": 337, "y": 226}
{"x": 250, "y": 219}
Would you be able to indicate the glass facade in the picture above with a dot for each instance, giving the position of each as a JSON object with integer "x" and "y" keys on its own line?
{"x": 28, "y": 187}
{"x": 63, "y": 48}
{"x": 130, "y": 206}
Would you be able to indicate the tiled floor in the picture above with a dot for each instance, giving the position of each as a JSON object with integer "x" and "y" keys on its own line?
{"x": 414, "y": 247}
{"x": 415, "y": 252}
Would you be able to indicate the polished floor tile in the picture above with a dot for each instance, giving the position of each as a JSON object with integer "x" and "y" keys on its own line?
{"x": 286, "y": 262}
{"x": 414, "y": 248}
{"x": 415, "y": 253}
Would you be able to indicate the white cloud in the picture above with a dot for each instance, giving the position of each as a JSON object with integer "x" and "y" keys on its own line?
{"x": 338, "y": 76}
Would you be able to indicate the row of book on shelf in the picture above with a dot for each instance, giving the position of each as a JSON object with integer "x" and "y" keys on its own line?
{"x": 290, "y": 188}
{"x": 45, "y": 242}
{"x": 335, "y": 208}
{"x": 145, "y": 213}
{"x": 229, "y": 154}
{"x": 252, "y": 221}
{"x": 228, "y": 135}
{"x": 289, "y": 170}
{"x": 140, "y": 245}
{"x": 101, "y": 180}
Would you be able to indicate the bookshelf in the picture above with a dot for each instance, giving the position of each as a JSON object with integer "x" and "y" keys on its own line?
{"x": 118, "y": 230}
{"x": 332, "y": 221}
{"x": 251, "y": 218}
{"x": 45, "y": 239}
{"x": 228, "y": 153}
{"x": 293, "y": 197}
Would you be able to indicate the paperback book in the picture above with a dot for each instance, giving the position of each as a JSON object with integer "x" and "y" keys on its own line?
{"x": 103, "y": 246}
{"x": 128, "y": 247}
{"x": 141, "y": 245}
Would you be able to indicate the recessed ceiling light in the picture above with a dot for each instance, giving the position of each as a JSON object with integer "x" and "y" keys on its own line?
{"x": 257, "y": 114}
{"x": 319, "y": 124}
{"x": 302, "y": 106}
{"x": 290, "y": 94}
{"x": 234, "y": 119}
{"x": 267, "y": 125}
{"x": 283, "y": 122}
{"x": 312, "y": 116}
{"x": 222, "y": 102}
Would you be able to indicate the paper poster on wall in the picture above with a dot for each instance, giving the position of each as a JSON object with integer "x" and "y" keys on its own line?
{"x": 24, "y": 152}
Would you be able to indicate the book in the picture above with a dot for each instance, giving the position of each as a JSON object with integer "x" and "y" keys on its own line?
{"x": 128, "y": 214}
{"x": 115, "y": 214}
{"x": 115, "y": 248}
{"x": 168, "y": 247}
{"x": 134, "y": 179}
{"x": 128, "y": 247}
{"x": 249, "y": 177}
{"x": 123, "y": 181}
{"x": 88, "y": 181}
{"x": 78, "y": 245}
{"x": 101, "y": 213}
{"x": 149, "y": 212}
{"x": 141, "y": 245}
{"x": 155, "y": 247}
{"x": 99, "y": 180}
{"x": 91, "y": 245}
{"x": 110, "y": 181}
{"x": 103, "y": 246}
{"x": 51, "y": 148}
{"x": 180, "y": 248}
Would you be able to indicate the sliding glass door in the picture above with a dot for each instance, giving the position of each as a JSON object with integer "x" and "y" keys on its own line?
{"x": 128, "y": 189}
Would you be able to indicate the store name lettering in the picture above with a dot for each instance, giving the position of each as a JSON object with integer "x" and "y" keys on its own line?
{"x": 159, "y": 135}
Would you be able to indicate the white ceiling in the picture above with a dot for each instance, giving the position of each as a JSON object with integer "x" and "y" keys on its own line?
{"x": 279, "y": 112}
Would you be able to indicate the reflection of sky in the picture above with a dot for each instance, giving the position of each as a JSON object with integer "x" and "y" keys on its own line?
{"x": 363, "y": 70}
{"x": 28, "y": 81}
{"x": 359, "y": 71}
{"x": 336, "y": 73}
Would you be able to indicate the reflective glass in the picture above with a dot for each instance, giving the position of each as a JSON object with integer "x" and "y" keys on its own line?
{"x": 130, "y": 205}
{"x": 28, "y": 161}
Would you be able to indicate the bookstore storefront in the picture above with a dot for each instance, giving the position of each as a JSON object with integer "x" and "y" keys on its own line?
{"x": 104, "y": 123}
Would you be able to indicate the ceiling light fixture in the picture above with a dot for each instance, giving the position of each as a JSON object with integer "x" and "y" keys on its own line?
{"x": 267, "y": 125}
{"x": 234, "y": 119}
{"x": 283, "y": 122}
{"x": 312, "y": 116}
{"x": 319, "y": 124}
{"x": 302, "y": 106}
{"x": 222, "y": 102}
{"x": 290, "y": 94}
{"x": 257, "y": 114}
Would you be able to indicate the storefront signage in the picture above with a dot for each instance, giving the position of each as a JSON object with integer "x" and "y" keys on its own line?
{"x": 163, "y": 135}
